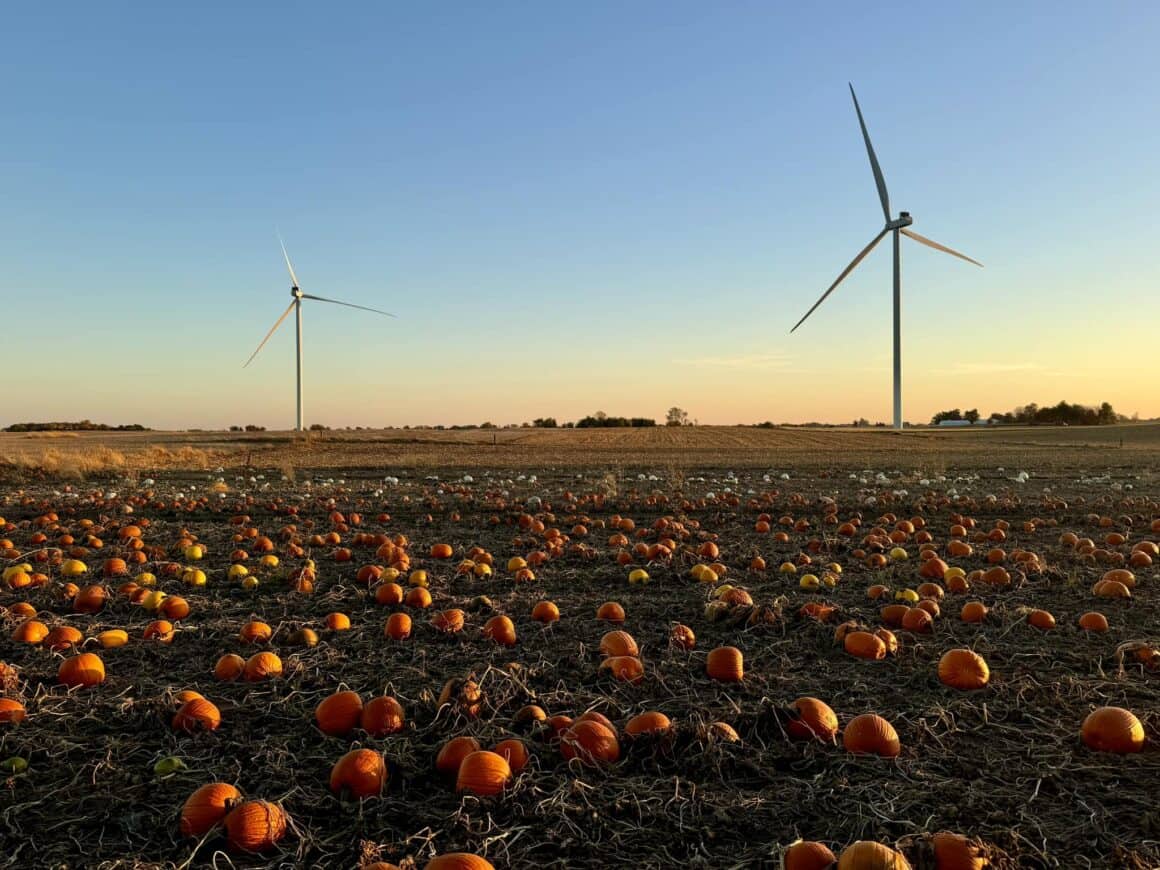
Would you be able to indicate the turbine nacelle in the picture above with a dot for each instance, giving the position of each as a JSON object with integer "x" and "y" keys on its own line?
{"x": 903, "y": 220}
{"x": 295, "y": 292}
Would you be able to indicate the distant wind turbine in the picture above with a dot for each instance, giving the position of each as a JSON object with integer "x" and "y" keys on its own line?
{"x": 296, "y": 307}
{"x": 897, "y": 225}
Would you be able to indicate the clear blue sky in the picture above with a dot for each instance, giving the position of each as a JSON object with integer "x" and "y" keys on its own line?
{"x": 571, "y": 207}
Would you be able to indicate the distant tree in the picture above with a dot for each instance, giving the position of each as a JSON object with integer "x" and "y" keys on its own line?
{"x": 677, "y": 417}
{"x": 235, "y": 428}
{"x": 953, "y": 414}
{"x": 971, "y": 416}
{"x": 251, "y": 427}
{"x": 487, "y": 425}
{"x": 861, "y": 423}
{"x": 600, "y": 415}
{"x": 544, "y": 423}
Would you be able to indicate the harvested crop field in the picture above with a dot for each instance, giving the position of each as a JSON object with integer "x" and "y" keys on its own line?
{"x": 1003, "y": 764}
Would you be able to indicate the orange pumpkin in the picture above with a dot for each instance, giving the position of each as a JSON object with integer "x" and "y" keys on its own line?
{"x": 628, "y": 669}
{"x": 339, "y": 714}
{"x": 812, "y": 719}
{"x": 618, "y": 643}
{"x": 453, "y": 752}
{"x": 590, "y": 742}
{"x": 866, "y": 855}
{"x": 255, "y": 631}
{"x": 11, "y": 711}
{"x": 870, "y": 734}
{"x": 382, "y": 716}
{"x": 651, "y": 722}
{"x": 963, "y": 669}
{"x": 501, "y": 630}
{"x": 514, "y": 752}
{"x": 62, "y": 637}
{"x": 397, "y": 626}
{"x": 956, "y": 852}
{"x": 458, "y": 861}
{"x": 449, "y": 621}
{"x": 725, "y": 664}
{"x": 262, "y": 666}
{"x": 1113, "y": 729}
{"x": 31, "y": 631}
{"x": 807, "y": 855}
{"x": 206, "y": 807}
{"x": 229, "y": 667}
{"x": 362, "y": 772}
{"x": 255, "y": 826}
{"x": 1041, "y": 619}
{"x": 610, "y": 611}
{"x": 1093, "y": 621}
{"x": 389, "y": 594}
{"x": 87, "y": 669}
{"x": 197, "y": 714}
{"x": 483, "y": 773}
{"x": 682, "y": 637}
{"x": 973, "y": 612}
{"x": 864, "y": 645}
{"x": 546, "y": 612}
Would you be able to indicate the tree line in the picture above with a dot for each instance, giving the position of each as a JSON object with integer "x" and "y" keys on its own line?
{"x": 78, "y": 426}
{"x": 1065, "y": 413}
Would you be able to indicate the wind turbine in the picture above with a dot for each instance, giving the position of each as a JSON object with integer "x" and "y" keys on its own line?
{"x": 896, "y": 226}
{"x": 296, "y": 306}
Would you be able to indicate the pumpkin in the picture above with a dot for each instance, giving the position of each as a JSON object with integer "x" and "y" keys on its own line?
{"x": 864, "y": 645}
{"x": 812, "y": 719}
{"x": 618, "y": 643}
{"x": 917, "y": 620}
{"x": 963, "y": 669}
{"x": 453, "y": 752}
{"x": 389, "y": 594}
{"x": 870, "y": 734}
{"x": 419, "y": 598}
{"x": 546, "y": 612}
{"x": 1041, "y": 619}
{"x": 255, "y": 631}
{"x": 610, "y": 611}
{"x": 718, "y": 732}
{"x": 458, "y": 861}
{"x": 448, "y": 621}
{"x": 464, "y": 694}
{"x": 590, "y": 742}
{"x": 303, "y": 637}
{"x": 62, "y": 637}
{"x": 1113, "y": 729}
{"x": 339, "y": 714}
{"x": 87, "y": 669}
{"x": 514, "y": 752}
{"x": 807, "y": 855}
{"x": 893, "y": 614}
{"x": 206, "y": 807}
{"x": 725, "y": 664}
{"x": 174, "y": 607}
{"x": 682, "y": 637}
{"x": 501, "y": 630}
{"x": 651, "y": 722}
{"x": 529, "y": 714}
{"x": 441, "y": 551}
{"x": 30, "y": 631}
{"x": 483, "y": 773}
{"x": 11, "y": 711}
{"x": 91, "y": 599}
{"x": 867, "y": 855}
{"x": 1093, "y": 621}
{"x": 160, "y": 630}
{"x": 197, "y": 714}
{"x": 382, "y": 716}
{"x": 338, "y": 622}
{"x": 397, "y": 626}
{"x": 973, "y": 612}
{"x": 254, "y": 826}
{"x": 262, "y": 666}
{"x": 229, "y": 667}
{"x": 628, "y": 669}
{"x": 362, "y": 772}
{"x": 956, "y": 852}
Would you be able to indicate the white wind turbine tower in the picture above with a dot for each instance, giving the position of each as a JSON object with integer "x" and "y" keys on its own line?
{"x": 296, "y": 307}
{"x": 896, "y": 226}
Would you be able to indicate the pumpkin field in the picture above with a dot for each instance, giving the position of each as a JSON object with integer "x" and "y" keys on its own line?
{"x": 455, "y": 667}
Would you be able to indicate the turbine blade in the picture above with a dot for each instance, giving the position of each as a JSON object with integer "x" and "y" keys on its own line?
{"x": 293, "y": 277}
{"x": 347, "y": 304}
{"x": 861, "y": 256}
{"x": 273, "y": 329}
{"x": 878, "y": 179}
{"x": 933, "y": 244}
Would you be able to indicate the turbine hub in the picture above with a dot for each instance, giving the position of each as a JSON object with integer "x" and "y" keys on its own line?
{"x": 903, "y": 220}
{"x": 295, "y": 292}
